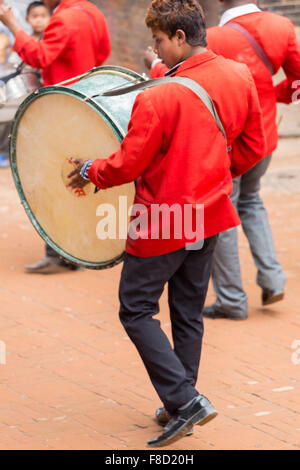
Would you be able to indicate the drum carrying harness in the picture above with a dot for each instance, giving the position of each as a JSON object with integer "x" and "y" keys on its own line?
{"x": 187, "y": 82}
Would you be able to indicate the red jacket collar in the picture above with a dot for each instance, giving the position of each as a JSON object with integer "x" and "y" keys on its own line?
{"x": 195, "y": 61}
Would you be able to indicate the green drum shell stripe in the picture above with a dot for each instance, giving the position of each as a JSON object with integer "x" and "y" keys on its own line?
{"x": 106, "y": 116}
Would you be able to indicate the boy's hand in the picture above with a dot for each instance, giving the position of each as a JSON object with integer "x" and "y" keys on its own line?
{"x": 149, "y": 57}
{"x": 6, "y": 14}
{"x": 77, "y": 181}
{"x": 8, "y": 18}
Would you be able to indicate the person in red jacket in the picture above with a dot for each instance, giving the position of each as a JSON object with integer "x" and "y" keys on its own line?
{"x": 264, "y": 60}
{"x": 246, "y": 34}
{"x": 75, "y": 41}
{"x": 179, "y": 157}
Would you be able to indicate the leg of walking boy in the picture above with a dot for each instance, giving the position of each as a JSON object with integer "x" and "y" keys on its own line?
{"x": 173, "y": 372}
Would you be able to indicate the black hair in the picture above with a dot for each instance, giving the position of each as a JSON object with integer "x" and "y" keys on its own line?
{"x": 33, "y": 5}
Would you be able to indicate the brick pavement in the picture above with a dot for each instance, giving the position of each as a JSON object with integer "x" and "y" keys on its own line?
{"x": 72, "y": 379}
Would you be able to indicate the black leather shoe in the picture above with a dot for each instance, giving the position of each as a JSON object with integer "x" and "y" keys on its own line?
{"x": 212, "y": 312}
{"x": 200, "y": 412}
{"x": 270, "y": 296}
{"x": 162, "y": 417}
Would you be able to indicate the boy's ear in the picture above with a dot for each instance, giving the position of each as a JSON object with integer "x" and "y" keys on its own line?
{"x": 180, "y": 36}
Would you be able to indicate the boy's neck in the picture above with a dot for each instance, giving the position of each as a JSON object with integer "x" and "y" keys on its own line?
{"x": 194, "y": 51}
{"x": 37, "y": 36}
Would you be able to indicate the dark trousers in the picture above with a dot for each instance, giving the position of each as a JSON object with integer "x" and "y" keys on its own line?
{"x": 173, "y": 371}
{"x": 4, "y": 138}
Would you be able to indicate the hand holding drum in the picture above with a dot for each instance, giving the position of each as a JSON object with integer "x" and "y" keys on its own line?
{"x": 77, "y": 181}
{"x": 55, "y": 131}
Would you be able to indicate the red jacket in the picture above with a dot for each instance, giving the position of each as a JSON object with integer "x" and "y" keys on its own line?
{"x": 74, "y": 42}
{"x": 276, "y": 34}
{"x": 174, "y": 147}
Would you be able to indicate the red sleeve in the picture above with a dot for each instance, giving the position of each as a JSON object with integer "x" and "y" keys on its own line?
{"x": 287, "y": 89}
{"x": 159, "y": 70}
{"x": 40, "y": 54}
{"x": 105, "y": 48}
{"x": 141, "y": 144}
{"x": 250, "y": 146}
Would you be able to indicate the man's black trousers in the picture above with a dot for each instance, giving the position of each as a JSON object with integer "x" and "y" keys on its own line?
{"x": 173, "y": 371}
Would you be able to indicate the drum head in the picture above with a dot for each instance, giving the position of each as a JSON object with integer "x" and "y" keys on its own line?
{"x": 49, "y": 130}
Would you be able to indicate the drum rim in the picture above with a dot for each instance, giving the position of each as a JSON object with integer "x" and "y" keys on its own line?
{"x": 13, "y": 136}
{"x": 113, "y": 68}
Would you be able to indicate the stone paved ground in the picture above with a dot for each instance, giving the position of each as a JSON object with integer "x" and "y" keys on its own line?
{"x": 72, "y": 379}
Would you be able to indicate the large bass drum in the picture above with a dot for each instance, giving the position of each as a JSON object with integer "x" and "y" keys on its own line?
{"x": 56, "y": 123}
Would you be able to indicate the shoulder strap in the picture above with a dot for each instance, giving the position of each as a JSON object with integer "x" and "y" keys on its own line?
{"x": 255, "y": 45}
{"x": 187, "y": 82}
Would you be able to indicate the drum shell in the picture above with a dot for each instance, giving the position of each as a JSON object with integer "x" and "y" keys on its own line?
{"x": 21, "y": 85}
{"x": 115, "y": 112}
{"x": 14, "y": 92}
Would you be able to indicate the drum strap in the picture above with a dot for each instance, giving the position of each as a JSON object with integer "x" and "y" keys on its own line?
{"x": 187, "y": 82}
{"x": 255, "y": 45}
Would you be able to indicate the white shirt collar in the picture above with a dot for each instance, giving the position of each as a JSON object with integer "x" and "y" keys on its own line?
{"x": 232, "y": 13}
